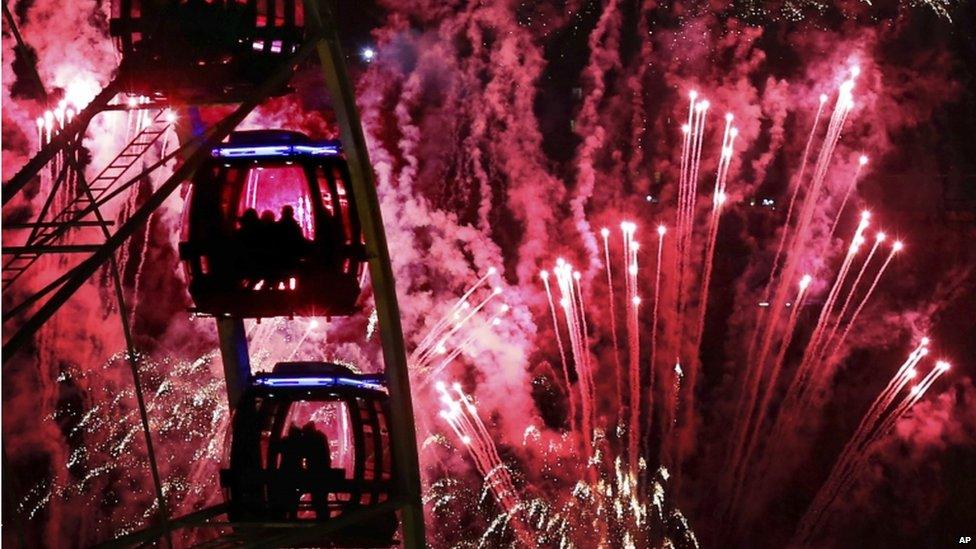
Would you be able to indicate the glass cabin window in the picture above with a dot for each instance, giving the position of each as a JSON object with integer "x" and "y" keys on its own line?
{"x": 335, "y": 196}
{"x": 343, "y": 194}
{"x": 330, "y": 418}
{"x": 386, "y": 472}
{"x": 268, "y": 189}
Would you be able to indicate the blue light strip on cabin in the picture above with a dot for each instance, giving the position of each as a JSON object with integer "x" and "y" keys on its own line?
{"x": 275, "y": 150}
{"x": 319, "y": 382}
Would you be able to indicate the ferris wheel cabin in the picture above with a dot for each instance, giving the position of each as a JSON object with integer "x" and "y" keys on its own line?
{"x": 270, "y": 229}
{"x": 309, "y": 443}
{"x": 203, "y": 50}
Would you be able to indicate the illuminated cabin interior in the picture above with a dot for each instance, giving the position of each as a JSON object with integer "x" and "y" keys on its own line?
{"x": 270, "y": 229}
{"x": 310, "y": 442}
{"x": 203, "y": 50}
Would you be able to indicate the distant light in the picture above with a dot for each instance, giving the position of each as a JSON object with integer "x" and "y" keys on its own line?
{"x": 661, "y": 229}
{"x": 604, "y": 232}
{"x": 880, "y": 237}
{"x": 636, "y": 300}
{"x": 805, "y": 281}
{"x": 925, "y": 341}
{"x": 81, "y": 90}
{"x": 855, "y": 71}
{"x": 170, "y": 116}
{"x": 823, "y": 98}
{"x": 313, "y": 324}
{"x": 277, "y": 151}
{"x": 693, "y": 95}
{"x": 862, "y": 160}
{"x": 764, "y": 304}
{"x": 728, "y": 117}
{"x": 319, "y": 382}
{"x": 368, "y": 54}
{"x": 898, "y": 246}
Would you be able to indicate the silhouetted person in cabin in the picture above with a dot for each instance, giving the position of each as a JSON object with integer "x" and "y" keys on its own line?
{"x": 291, "y": 239}
{"x": 250, "y": 225}
{"x": 247, "y": 237}
{"x": 265, "y": 249}
{"x": 304, "y": 464}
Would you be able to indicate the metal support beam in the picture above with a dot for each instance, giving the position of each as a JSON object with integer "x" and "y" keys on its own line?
{"x": 87, "y": 268}
{"x": 35, "y": 297}
{"x": 402, "y": 430}
{"x": 286, "y": 534}
{"x": 63, "y": 226}
{"x": 52, "y": 194}
{"x": 132, "y": 358}
{"x": 233, "y": 352}
{"x": 51, "y": 224}
{"x": 52, "y": 249}
{"x": 58, "y": 143}
{"x": 153, "y": 533}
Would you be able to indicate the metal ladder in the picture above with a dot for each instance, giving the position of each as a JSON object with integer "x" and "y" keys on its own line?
{"x": 82, "y": 203}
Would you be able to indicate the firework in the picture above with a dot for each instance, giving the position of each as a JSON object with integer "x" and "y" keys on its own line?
{"x": 589, "y": 480}
{"x": 605, "y": 235}
{"x": 861, "y": 162}
{"x": 879, "y": 419}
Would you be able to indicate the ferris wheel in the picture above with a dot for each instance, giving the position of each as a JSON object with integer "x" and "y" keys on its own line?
{"x": 277, "y": 224}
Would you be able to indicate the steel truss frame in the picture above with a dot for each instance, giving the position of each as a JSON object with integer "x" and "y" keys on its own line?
{"x": 322, "y": 41}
